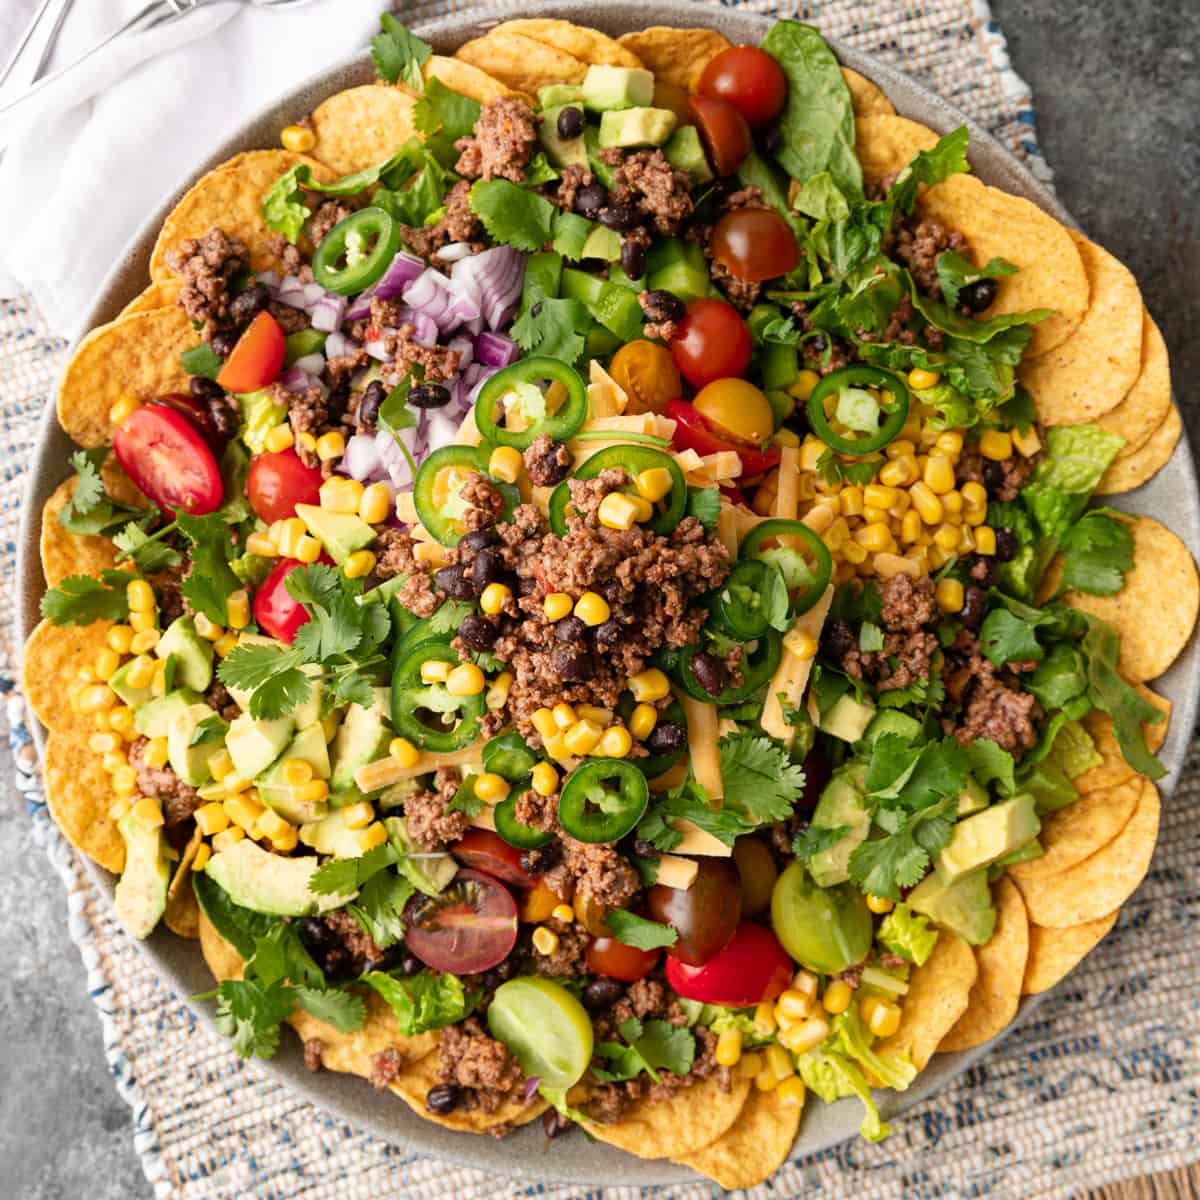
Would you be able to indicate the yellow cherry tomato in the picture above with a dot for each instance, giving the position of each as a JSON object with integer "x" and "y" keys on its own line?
{"x": 737, "y": 409}
{"x": 646, "y": 372}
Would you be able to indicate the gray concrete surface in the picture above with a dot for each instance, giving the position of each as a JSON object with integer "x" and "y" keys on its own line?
{"x": 1117, "y": 88}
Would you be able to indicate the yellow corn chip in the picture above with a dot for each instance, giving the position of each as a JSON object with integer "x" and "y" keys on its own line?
{"x": 361, "y": 126}
{"x": 1144, "y": 463}
{"x": 79, "y": 795}
{"x": 352, "y": 1053}
{"x": 65, "y": 553}
{"x": 520, "y": 62}
{"x": 50, "y": 669}
{"x": 157, "y": 295}
{"x": 886, "y": 143}
{"x": 678, "y": 56}
{"x": 1148, "y": 401}
{"x": 1114, "y": 769}
{"x": 1054, "y": 952}
{"x": 755, "y": 1147}
{"x": 466, "y": 80}
{"x": 222, "y": 959}
{"x": 867, "y": 97}
{"x": 588, "y": 45}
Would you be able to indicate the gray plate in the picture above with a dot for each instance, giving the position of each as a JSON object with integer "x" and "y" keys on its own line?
{"x": 1171, "y": 496}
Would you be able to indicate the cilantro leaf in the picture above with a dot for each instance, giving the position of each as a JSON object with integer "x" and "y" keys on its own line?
{"x": 201, "y": 360}
{"x": 80, "y": 600}
{"x": 513, "y": 215}
{"x": 399, "y": 55}
{"x": 955, "y": 271}
{"x": 631, "y": 930}
{"x": 345, "y": 1011}
{"x": 816, "y": 839}
{"x": 991, "y": 763}
{"x": 91, "y": 510}
{"x": 145, "y": 551}
{"x": 423, "y": 1002}
{"x": 760, "y": 778}
{"x": 1005, "y": 637}
{"x": 553, "y": 327}
{"x": 705, "y": 505}
{"x": 443, "y": 116}
{"x": 211, "y": 729}
{"x": 691, "y": 802}
{"x": 271, "y": 674}
{"x": 465, "y": 799}
{"x": 450, "y": 616}
{"x": 250, "y": 1015}
{"x": 379, "y": 908}
{"x": 210, "y": 580}
{"x": 340, "y": 876}
{"x": 652, "y": 1046}
{"x": 1097, "y": 554}
{"x": 899, "y": 860}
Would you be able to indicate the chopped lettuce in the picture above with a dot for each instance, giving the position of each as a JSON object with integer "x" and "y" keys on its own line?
{"x": 1074, "y": 751}
{"x": 1076, "y": 458}
{"x": 251, "y": 568}
{"x": 261, "y": 412}
{"x": 1021, "y": 575}
{"x": 907, "y": 934}
{"x": 719, "y": 1018}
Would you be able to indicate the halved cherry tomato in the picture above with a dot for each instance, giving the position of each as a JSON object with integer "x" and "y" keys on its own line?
{"x": 692, "y": 432}
{"x": 755, "y": 244}
{"x": 646, "y": 372}
{"x": 168, "y": 460}
{"x": 487, "y": 851}
{"x": 277, "y": 482}
{"x": 275, "y": 611}
{"x": 470, "y": 927}
{"x": 736, "y": 409}
{"x": 749, "y": 79}
{"x": 607, "y": 956}
{"x": 257, "y": 358}
{"x": 705, "y": 915}
{"x": 752, "y": 967}
{"x": 711, "y": 342}
{"x": 724, "y": 132}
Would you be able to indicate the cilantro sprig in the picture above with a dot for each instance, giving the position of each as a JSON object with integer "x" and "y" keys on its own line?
{"x": 649, "y": 1046}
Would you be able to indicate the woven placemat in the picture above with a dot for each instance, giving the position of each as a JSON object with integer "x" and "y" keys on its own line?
{"x": 1102, "y": 1085}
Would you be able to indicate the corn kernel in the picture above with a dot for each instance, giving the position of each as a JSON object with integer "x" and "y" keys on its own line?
{"x": 1027, "y": 444}
{"x": 910, "y": 527}
{"x": 156, "y": 752}
{"x": 435, "y": 670}
{"x": 495, "y": 598}
{"x": 616, "y": 742}
{"x": 926, "y": 503}
{"x": 542, "y": 719}
{"x": 227, "y": 838}
{"x": 582, "y": 737}
{"x": 308, "y": 550}
{"x": 939, "y": 474}
{"x": 985, "y": 540}
{"x": 497, "y": 693}
{"x": 564, "y": 913}
{"x": 875, "y": 538}
{"x": 649, "y": 685}
{"x": 465, "y": 680}
{"x": 792, "y": 1006}
{"x": 208, "y": 630}
{"x": 996, "y": 444}
{"x": 591, "y": 608}
{"x": 142, "y": 621}
{"x": 792, "y": 1092}
{"x": 158, "y": 685}
{"x": 279, "y": 438}
{"x": 102, "y": 743}
{"x": 376, "y": 504}
{"x": 359, "y": 564}
{"x": 211, "y": 818}
{"x": 882, "y": 1018}
{"x": 404, "y": 752}
{"x": 148, "y": 813}
{"x": 307, "y": 442}
{"x": 120, "y": 720}
{"x": 945, "y": 537}
{"x": 274, "y": 826}
{"x": 802, "y": 645}
{"x": 881, "y": 904}
{"x": 544, "y": 779}
{"x": 837, "y": 533}
{"x": 837, "y": 998}
{"x": 123, "y": 409}
{"x": 642, "y": 721}
{"x": 545, "y": 941}
{"x": 124, "y": 781}
{"x": 114, "y": 760}
{"x": 262, "y": 546}
{"x": 341, "y": 495}
{"x": 140, "y": 596}
{"x": 557, "y": 605}
{"x": 299, "y": 139}
{"x": 289, "y": 839}
{"x": 505, "y": 463}
{"x": 966, "y": 539}
{"x": 766, "y": 1080}
{"x": 899, "y": 472}
{"x": 729, "y": 1048}
{"x": 491, "y": 788}
{"x": 617, "y": 511}
{"x": 97, "y": 697}
{"x": 594, "y": 713}
{"x": 805, "y": 382}
{"x": 952, "y": 502}
{"x": 243, "y": 811}
{"x": 120, "y": 638}
{"x": 373, "y": 836}
{"x": 358, "y": 816}
{"x": 785, "y": 437}
{"x": 226, "y": 645}
{"x": 557, "y": 748}
{"x": 750, "y": 1064}
{"x": 764, "y": 1017}
{"x": 876, "y": 495}
{"x": 853, "y": 553}
{"x": 296, "y": 771}
{"x": 315, "y": 790}
{"x": 330, "y": 446}
{"x": 145, "y": 641}
{"x": 220, "y": 764}
{"x": 850, "y": 500}
{"x": 201, "y": 857}
{"x": 779, "y": 1062}
{"x": 887, "y": 565}
{"x": 820, "y": 517}
{"x": 653, "y": 484}
{"x": 920, "y": 379}
{"x": 874, "y": 516}
{"x": 806, "y": 983}
{"x": 806, "y": 1036}
{"x": 430, "y": 553}
{"x": 107, "y": 663}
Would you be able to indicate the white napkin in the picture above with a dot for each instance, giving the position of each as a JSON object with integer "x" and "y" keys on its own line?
{"x": 75, "y": 187}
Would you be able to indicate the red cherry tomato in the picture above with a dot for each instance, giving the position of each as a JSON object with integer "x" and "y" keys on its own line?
{"x": 755, "y": 244}
{"x": 692, "y": 432}
{"x": 711, "y": 342}
{"x": 276, "y": 612}
{"x": 607, "y": 956}
{"x": 471, "y": 926}
{"x": 724, "y": 132}
{"x": 749, "y": 79}
{"x": 256, "y": 359}
{"x": 168, "y": 460}
{"x": 752, "y": 967}
{"x": 487, "y": 851}
{"x": 278, "y": 482}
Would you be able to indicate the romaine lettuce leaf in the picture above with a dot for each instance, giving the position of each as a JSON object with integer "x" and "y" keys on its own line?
{"x": 1076, "y": 458}
{"x": 907, "y": 934}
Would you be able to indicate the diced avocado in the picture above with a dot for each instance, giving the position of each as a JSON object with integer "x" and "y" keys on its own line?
{"x": 140, "y": 897}
{"x": 397, "y": 794}
{"x": 674, "y": 265}
{"x": 988, "y": 835}
{"x": 268, "y": 883}
{"x": 848, "y": 718}
{"x": 135, "y": 697}
{"x": 340, "y": 533}
{"x": 193, "y": 655}
{"x": 561, "y": 151}
{"x": 153, "y": 719}
{"x": 963, "y": 907}
{"x": 331, "y": 835}
{"x": 428, "y": 874}
{"x": 309, "y": 711}
{"x": 973, "y": 798}
{"x": 636, "y": 127}
{"x": 892, "y": 720}
{"x": 1026, "y": 853}
{"x": 555, "y": 95}
{"x": 843, "y": 802}
{"x": 684, "y": 150}
{"x": 255, "y": 745}
{"x": 362, "y": 738}
{"x": 603, "y": 171}
{"x": 309, "y": 746}
{"x": 189, "y": 760}
{"x": 608, "y": 88}
{"x": 603, "y": 243}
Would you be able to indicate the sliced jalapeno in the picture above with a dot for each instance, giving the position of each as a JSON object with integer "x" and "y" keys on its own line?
{"x": 757, "y": 667}
{"x": 514, "y": 832}
{"x": 426, "y": 713}
{"x": 806, "y": 581}
{"x": 839, "y": 384}
{"x": 508, "y": 756}
{"x": 355, "y": 253}
{"x": 520, "y": 380}
{"x": 603, "y": 800}
{"x": 739, "y": 607}
{"x": 654, "y": 765}
{"x": 633, "y": 460}
{"x": 437, "y": 490}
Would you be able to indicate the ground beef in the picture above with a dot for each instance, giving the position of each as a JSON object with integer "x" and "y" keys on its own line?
{"x": 341, "y": 367}
{"x": 325, "y": 218}
{"x": 219, "y": 698}
{"x": 916, "y": 244}
{"x": 308, "y": 412}
{"x": 664, "y": 330}
{"x": 386, "y": 1066}
{"x": 993, "y": 704}
{"x": 504, "y": 137}
{"x": 484, "y": 503}
{"x": 896, "y": 330}
{"x": 394, "y": 549}
{"x": 537, "y": 811}
{"x": 645, "y": 180}
{"x": 907, "y": 606}
{"x": 429, "y": 822}
{"x": 743, "y": 294}
{"x": 169, "y": 593}
{"x": 290, "y": 258}
{"x": 1003, "y": 480}
{"x": 458, "y": 224}
{"x": 908, "y": 613}
{"x": 645, "y": 998}
{"x": 479, "y": 1064}
{"x": 572, "y": 178}
{"x": 823, "y": 353}
{"x": 313, "y": 1049}
{"x": 179, "y": 800}
{"x": 586, "y": 494}
{"x": 569, "y": 955}
{"x": 598, "y": 873}
{"x": 208, "y": 266}
{"x": 546, "y": 461}
{"x": 404, "y": 353}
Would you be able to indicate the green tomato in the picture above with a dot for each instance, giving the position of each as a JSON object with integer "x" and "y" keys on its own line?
{"x": 548, "y": 1031}
{"x": 823, "y": 929}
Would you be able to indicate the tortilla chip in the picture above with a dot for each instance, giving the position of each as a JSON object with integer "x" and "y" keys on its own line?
{"x": 1095, "y": 887}
{"x": 65, "y": 553}
{"x": 1148, "y": 401}
{"x": 755, "y": 1148}
{"x": 1155, "y": 611}
{"x": 867, "y": 97}
{"x": 1078, "y": 830}
{"x": 223, "y": 960}
{"x": 352, "y": 1052}
{"x": 79, "y": 795}
{"x": 50, "y": 666}
{"x": 676, "y": 55}
{"x": 361, "y": 126}
{"x": 937, "y": 996}
{"x": 588, "y": 45}
{"x": 230, "y": 196}
{"x": 466, "y": 80}
{"x": 157, "y": 295}
{"x": 1054, "y": 952}
{"x": 885, "y": 142}
{"x": 118, "y": 485}
{"x": 182, "y": 916}
{"x": 1144, "y": 463}
{"x": 520, "y": 62}
{"x": 996, "y": 994}
{"x": 1093, "y": 370}
{"x": 1114, "y": 770}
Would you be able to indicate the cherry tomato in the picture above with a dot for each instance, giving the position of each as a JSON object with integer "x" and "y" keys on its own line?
{"x": 692, "y": 432}
{"x": 168, "y": 460}
{"x": 277, "y": 482}
{"x": 487, "y": 851}
{"x": 724, "y": 132}
{"x": 755, "y": 244}
{"x": 751, "y": 968}
{"x": 275, "y": 611}
{"x": 705, "y": 915}
{"x": 646, "y": 372}
{"x": 471, "y": 926}
{"x": 757, "y": 871}
{"x": 200, "y": 415}
{"x": 736, "y": 409}
{"x": 607, "y": 956}
{"x": 256, "y": 359}
{"x": 711, "y": 342}
{"x": 749, "y": 79}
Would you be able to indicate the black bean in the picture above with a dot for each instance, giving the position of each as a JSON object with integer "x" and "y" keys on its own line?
{"x": 993, "y": 475}
{"x": 573, "y": 665}
{"x": 607, "y": 635}
{"x": 644, "y": 849}
{"x": 454, "y": 582}
{"x": 837, "y": 640}
{"x": 552, "y": 468}
{"x": 982, "y": 569}
{"x": 661, "y": 305}
{"x": 1006, "y": 545}
{"x": 248, "y": 304}
{"x": 772, "y": 140}
{"x": 590, "y": 199}
{"x": 486, "y": 567}
{"x": 974, "y": 602}
{"x": 666, "y": 737}
{"x": 539, "y": 861}
{"x": 817, "y": 343}
{"x": 478, "y": 632}
{"x": 370, "y": 404}
{"x": 206, "y": 390}
{"x": 709, "y": 671}
{"x": 619, "y": 217}
{"x": 429, "y": 395}
{"x": 554, "y": 1124}
{"x": 478, "y": 539}
{"x": 611, "y": 589}
{"x": 633, "y": 259}
{"x": 570, "y": 122}
{"x": 602, "y": 993}
{"x": 443, "y": 1099}
{"x": 570, "y": 629}
{"x": 222, "y": 343}
{"x": 977, "y": 296}
{"x": 225, "y": 420}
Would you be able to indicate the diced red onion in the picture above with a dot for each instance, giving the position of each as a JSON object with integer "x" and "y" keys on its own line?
{"x": 376, "y": 350}
{"x": 291, "y": 292}
{"x": 425, "y": 329}
{"x": 311, "y": 364}
{"x": 393, "y": 460}
{"x": 496, "y": 350}
{"x": 485, "y": 374}
{"x": 313, "y": 292}
{"x": 327, "y": 313}
{"x": 441, "y": 427}
{"x": 453, "y": 252}
{"x": 404, "y": 269}
{"x": 295, "y": 379}
{"x": 464, "y": 348}
{"x": 431, "y": 294}
{"x": 496, "y": 277}
{"x": 337, "y": 344}
{"x": 270, "y": 280}
{"x": 531, "y": 1086}
{"x": 361, "y": 459}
